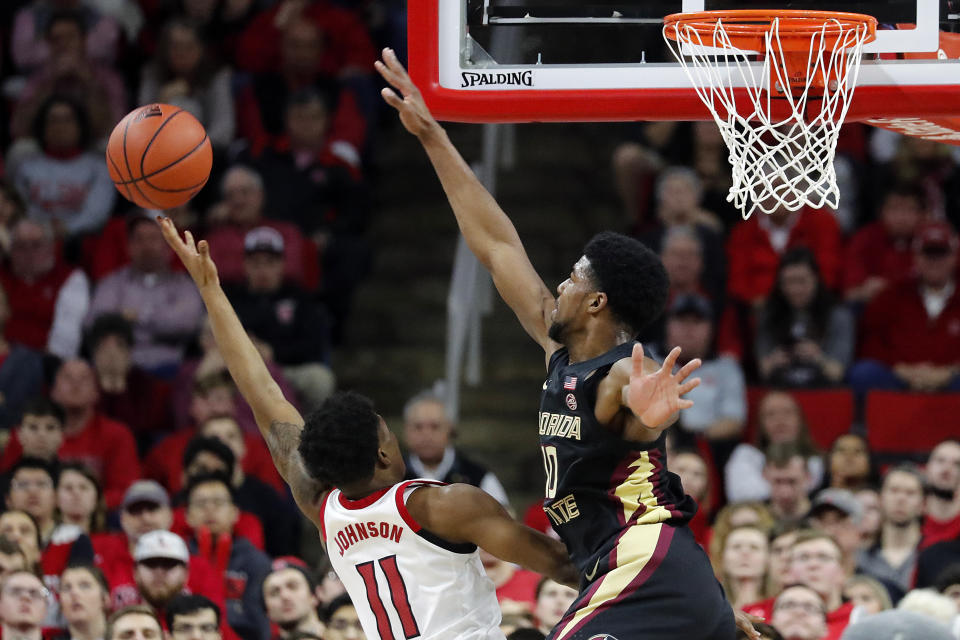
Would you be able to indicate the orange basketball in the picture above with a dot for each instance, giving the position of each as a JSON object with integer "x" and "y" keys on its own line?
{"x": 159, "y": 156}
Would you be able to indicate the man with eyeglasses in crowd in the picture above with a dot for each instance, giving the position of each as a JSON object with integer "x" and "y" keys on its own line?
{"x": 816, "y": 561}
{"x": 799, "y": 614}
{"x": 193, "y": 617}
{"x": 343, "y": 623}
{"x": 212, "y": 513}
{"x": 23, "y": 606}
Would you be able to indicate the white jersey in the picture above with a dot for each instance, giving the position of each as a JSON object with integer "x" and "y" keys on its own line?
{"x": 404, "y": 581}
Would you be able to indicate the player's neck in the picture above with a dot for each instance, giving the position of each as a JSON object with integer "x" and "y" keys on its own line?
{"x": 595, "y": 341}
{"x": 382, "y": 479}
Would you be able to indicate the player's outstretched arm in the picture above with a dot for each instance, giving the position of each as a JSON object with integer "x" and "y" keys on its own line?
{"x": 278, "y": 420}
{"x": 648, "y": 394}
{"x": 464, "y": 513}
{"x": 486, "y": 228}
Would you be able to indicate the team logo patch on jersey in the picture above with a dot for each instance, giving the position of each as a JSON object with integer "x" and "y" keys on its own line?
{"x": 602, "y": 636}
{"x": 570, "y": 383}
{"x": 571, "y": 402}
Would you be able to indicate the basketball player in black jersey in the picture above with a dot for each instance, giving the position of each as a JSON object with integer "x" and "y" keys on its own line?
{"x": 603, "y": 414}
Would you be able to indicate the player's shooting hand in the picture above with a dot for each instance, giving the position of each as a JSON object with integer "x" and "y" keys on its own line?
{"x": 655, "y": 397}
{"x": 194, "y": 256}
{"x": 414, "y": 115}
{"x": 745, "y": 623}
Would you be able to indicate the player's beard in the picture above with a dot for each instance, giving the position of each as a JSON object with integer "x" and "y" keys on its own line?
{"x": 556, "y": 331}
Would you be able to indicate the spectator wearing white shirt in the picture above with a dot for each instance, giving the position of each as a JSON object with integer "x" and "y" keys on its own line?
{"x": 779, "y": 420}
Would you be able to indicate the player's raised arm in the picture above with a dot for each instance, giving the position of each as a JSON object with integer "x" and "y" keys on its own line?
{"x": 278, "y": 420}
{"x": 464, "y": 513}
{"x": 486, "y": 228}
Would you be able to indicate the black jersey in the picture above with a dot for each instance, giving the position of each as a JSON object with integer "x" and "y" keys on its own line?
{"x": 622, "y": 516}
{"x": 598, "y": 484}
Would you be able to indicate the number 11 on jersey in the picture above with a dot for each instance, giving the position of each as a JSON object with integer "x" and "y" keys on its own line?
{"x": 398, "y": 596}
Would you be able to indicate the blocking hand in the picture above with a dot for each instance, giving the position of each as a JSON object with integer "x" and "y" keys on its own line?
{"x": 655, "y": 397}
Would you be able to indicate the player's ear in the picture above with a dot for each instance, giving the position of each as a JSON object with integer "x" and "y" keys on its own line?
{"x": 598, "y": 302}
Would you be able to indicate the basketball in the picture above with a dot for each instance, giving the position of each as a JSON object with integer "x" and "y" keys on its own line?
{"x": 159, "y": 156}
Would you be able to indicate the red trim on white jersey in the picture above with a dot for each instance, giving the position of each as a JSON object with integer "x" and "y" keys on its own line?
{"x": 402, "y": 503}
{"x": 361, "y": 503}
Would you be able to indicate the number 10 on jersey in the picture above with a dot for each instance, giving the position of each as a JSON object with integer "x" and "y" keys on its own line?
{"x": 550, "y": 467}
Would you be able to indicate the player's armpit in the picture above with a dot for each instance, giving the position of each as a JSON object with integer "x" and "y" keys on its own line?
{"x": 463, "y": 513}
{"x": 282, "y": 439}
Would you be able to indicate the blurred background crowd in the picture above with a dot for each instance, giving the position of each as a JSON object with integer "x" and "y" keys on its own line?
{"x": 821, "y": 448}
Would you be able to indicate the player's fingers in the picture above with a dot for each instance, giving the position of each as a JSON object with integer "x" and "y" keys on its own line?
{"x": 385, "y": 72}
{"x": 684, "y": 404}
{"x": 688, "y": 386}
{"x": 637, "y": 358}
{"x": 170, "y": 234}
{"x": 391, "y": 98}
{"x": 670, "y": 360}
{"x": 191, "y": 245}
{"x": 203, "y": 248}
{"x": 688, "y": 368}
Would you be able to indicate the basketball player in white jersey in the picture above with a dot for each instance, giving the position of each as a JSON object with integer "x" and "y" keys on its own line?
{"x": 405, "y": 551}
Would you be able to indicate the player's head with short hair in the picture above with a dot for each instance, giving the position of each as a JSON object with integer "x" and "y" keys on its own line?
{"x": 623, "y": 275}
{"x": 345, "y": 442}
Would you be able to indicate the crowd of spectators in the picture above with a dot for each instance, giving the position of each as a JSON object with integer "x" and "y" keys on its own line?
{"x": 134, "y": 477}
{"x": 132, "y": 472}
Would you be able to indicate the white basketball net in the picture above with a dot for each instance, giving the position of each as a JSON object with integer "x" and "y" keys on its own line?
{"x": 779, "y": 164}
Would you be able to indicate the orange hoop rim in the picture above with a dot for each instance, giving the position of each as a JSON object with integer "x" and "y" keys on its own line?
{"x": 746, "y": 26}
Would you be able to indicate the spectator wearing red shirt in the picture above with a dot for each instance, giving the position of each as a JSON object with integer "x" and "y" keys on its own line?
{"x": 213, "y": 395}
{"x": 161, "y": 570}
{"x": 263, "y": 102}
{"x": 48, "y": 299}
{"x": 104, "y": 445}
{"x": 145, "y": 508}
{"x": 755, "y": 246}
{"x": 941, "y": 520}
{"x": 241, "y": 211}
{"x": 881, "y": 252}
{"x": 281, "y": 522}
{"x": 127, "y": 392}
{"x": 910, "y": 332}
{"x": 209, "y": 455}
{"x": 349, "y": 50}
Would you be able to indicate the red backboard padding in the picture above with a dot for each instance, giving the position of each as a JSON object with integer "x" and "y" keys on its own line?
{"x": 829, "y": 412}
{"x": 903, "y": 422}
